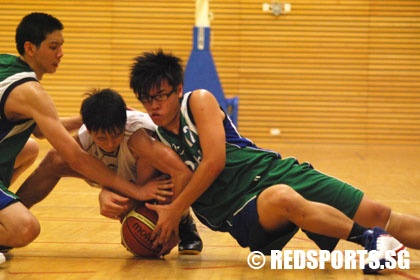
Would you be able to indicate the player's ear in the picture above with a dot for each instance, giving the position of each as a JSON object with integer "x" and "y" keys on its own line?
{"x": 29, "y": 48}
{"x": 180, "y": 90}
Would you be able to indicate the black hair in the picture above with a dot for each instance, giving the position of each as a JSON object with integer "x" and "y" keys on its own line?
{"x": 152, "y": 68}
{"x": 34, "y": 28}
{"x": 104, "y": 109}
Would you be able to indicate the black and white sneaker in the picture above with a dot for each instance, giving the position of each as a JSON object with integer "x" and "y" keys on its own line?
{"x": 190, "y": 242}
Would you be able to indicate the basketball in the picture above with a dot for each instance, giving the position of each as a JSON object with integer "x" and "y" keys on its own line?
{"x": 136, "y": 231}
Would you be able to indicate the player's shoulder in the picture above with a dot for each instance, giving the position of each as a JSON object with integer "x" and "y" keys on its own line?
{"x": 137, "y": 116}
{"x": 200, "y": 94}
{"x": 137, "y": 120}
{"x": 135, "y": 113}
{"x": 200, "y": 98}
{"x": 23, "y": 99}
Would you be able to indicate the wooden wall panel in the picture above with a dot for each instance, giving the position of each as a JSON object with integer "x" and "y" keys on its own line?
{"x": 328, "y": 72}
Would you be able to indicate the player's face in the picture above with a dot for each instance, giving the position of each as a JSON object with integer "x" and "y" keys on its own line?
{"x": 108, "y": 141}
{"x": 165, "y": 113}
{"x": 48, "y": 55}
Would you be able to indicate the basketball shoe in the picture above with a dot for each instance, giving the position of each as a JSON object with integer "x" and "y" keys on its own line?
{"x": 190, "y": 242}
{"x": 378, "y": 240}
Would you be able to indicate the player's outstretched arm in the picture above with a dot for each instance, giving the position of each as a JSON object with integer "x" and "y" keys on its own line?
{"x": 71, "y": 124}
{"x": 30, "y": 100}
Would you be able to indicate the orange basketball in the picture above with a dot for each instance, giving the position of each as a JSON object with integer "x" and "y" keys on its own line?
{"x": 136, "y": 231}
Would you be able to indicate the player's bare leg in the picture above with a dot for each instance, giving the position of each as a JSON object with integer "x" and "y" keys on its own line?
{"x": 18, "y": 226}
{"x": 44, "y": 178}
{"x": 279, "y": 205}
{"x": 402, "y": 226}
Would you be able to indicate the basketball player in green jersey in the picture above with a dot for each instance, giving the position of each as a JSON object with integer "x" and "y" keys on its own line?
{"x": 26, "y": 109}
{"x": 121, "y": 139}
{"x": 252, "y": 193}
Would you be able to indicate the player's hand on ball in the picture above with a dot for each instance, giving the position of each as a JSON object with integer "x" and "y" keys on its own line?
{"x": 113, "y": 205}
{"x": 167, "y": 225}
{"x": 168, "y": 246}
{"x": 136, "y": 234}
{"x": 159, "y": 189}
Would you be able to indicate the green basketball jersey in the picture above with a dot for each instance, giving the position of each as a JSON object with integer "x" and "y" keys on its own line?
{"x": 13, "y": 135}
{"x": 245, "y": 167}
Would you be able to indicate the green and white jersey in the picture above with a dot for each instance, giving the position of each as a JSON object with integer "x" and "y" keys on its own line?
{"x": 13, "y": 72}
{"x": 245, "y": 169}
{"x": 13, "y": 135}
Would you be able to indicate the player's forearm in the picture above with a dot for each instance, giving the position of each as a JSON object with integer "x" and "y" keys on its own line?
{"x": 71, "y": 124}
{"x": 96, "y": 171}
{"x": 187, "y": 197}
{"x": 180, "y": 181}
{"x": 169, "y": 163}
{"x": 199, "y": 182}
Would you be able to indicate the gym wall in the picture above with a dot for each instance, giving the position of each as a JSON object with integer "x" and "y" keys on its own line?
{"x": 344, "y": 72}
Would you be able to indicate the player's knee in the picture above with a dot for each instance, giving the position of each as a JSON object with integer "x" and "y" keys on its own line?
{"x": 28, "y": 229}
{"x": 27, "y": 155}
{"x": 371, "y": 213}
{"x": 32, "y": 149}
{"x": 281, "y": 197}
{"x": 53, "y": 162}
{"x": 380, "y": 211}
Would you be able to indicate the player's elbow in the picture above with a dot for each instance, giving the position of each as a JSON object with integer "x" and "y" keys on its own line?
{"x": 37, "y": 133}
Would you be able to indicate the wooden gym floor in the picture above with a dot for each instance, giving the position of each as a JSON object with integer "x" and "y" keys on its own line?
{"x": 76, "y": 242}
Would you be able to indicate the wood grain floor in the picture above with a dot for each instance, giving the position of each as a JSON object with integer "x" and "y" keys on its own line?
{"x": 77, "y": 243}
